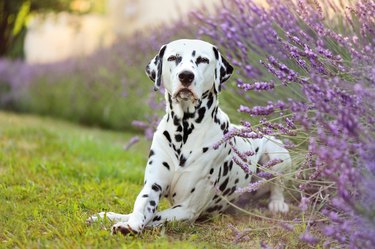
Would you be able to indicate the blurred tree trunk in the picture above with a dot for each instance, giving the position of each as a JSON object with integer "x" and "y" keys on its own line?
{"x": 8, "y": 12}
{"x": 13, "y": 15}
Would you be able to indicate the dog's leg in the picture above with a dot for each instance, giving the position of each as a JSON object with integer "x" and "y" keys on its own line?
{"x": 144, "y": 209}
{"x": 113, "y": 217}
{"x": 158, "y": 176}
{"x": 274, "y": 150}
{"x": 176, "y": 213}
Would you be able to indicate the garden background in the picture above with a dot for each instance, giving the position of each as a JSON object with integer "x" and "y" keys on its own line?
{"x": 74, "y": 133}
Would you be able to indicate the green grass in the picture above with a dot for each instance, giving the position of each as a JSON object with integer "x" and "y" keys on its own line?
{"x": 54, "y": 175}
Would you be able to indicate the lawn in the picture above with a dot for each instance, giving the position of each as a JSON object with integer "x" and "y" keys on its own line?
{"x": 54, "y": 175}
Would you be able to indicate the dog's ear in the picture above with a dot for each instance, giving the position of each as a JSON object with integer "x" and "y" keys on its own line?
{"x": 223, "y": 69}
{"x": 154, "y": 68}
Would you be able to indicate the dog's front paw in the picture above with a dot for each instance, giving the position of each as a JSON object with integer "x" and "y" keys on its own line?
{"x": 276, "y": 206}
{"x": 124, "y": 228}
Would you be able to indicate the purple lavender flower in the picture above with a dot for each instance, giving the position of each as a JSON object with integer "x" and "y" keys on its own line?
{"x": 309, "y": 238}
{"x": 251, "y": 187}
{"x": 131, "y": 142}
{"x": 257, "y": 86}
{"x": 304, "y": 203}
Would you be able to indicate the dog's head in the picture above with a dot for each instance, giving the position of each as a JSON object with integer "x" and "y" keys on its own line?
{"x": 188, "y": 68}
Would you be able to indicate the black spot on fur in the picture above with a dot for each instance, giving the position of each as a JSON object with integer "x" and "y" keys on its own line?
{"x": 161, "y": 53}
{"x": 210, "y": 101}
{"x": 192, "y": 190}
{"x": 166, "y": 165}
{"x": 201, "y": 113}
{"x": 225, "y": 171}
{"x": 216, "y": 52}
{"x": 193, "y": 54}
{"x": 178, "y": 60}
{"x": 177, "y": 206}
{"x": 152, "y": 203}
{"x": 205, "y": 149}
{"x": 156, "y": 187}
{"x": 236, "y": 181}
{"x": 232, "y": 190}
{"x": 151, "y": 153}
{"x": 182, "y": 161}
{"x": 156, "y": 60}
{"x": 224, "y": 184}
{"x": 178, "y": 137}
{"x": 247, "y": 176}
{"x": 174, "y": 194}
{"x": 144, "y": 196}
{"x": 211, "y": 171}
{"x": 188, "y": 115}
{"x": 215, "y": 91}
{"x": 150, "y": 162}
{"x": 225, "y": 71}
{"x": 153, "y": 75}
{"x": 256, "y": 150}
{"x": 156, "y": 218}
{"x": 186, "y": 130}
{"x": 205, "y": 94}
{"x": 222, "y": 73}
{"x": 170, "y": 103}
{"x": 226, "y": 191}
{"x": 160, "y": 65}
{"x": 167, "y": 136}
{"x": 148, "y": 69}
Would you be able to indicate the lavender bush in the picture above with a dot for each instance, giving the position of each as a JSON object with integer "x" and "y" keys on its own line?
{"x": 108, "y": 88}
{"x": 321, "y": 90}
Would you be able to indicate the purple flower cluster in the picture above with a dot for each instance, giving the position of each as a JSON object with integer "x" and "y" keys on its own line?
{"x": 323, "y": 80}
{"x": 257, "y": 86}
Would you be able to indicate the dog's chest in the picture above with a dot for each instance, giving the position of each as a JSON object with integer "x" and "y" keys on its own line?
{"x": 203, "y": 175}
{"x": 189, "y": 140}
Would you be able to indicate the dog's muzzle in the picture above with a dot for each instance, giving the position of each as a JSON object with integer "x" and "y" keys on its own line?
{"x": 185, "y": 94}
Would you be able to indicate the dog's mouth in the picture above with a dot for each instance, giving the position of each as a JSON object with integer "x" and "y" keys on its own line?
{"x": 185, "y": 95}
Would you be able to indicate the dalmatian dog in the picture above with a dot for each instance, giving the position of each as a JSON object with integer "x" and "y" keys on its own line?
{"x": 183, "y": 166}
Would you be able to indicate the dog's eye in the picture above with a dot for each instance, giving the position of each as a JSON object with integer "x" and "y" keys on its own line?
{"x": 202, "y": 60}
{"x": 172, "y": 58}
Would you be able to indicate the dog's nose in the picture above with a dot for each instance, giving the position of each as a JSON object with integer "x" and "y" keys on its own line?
{"x": 186, "y": 77}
